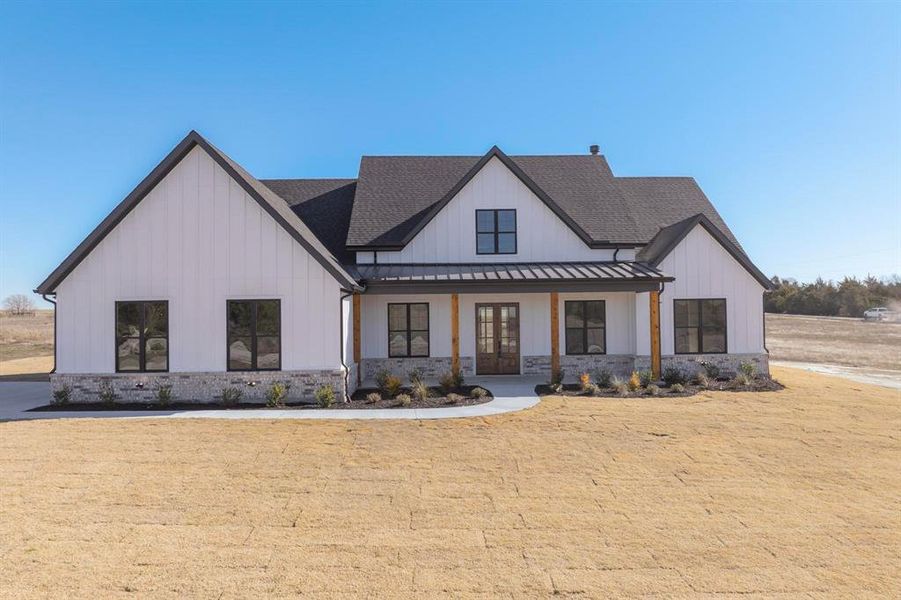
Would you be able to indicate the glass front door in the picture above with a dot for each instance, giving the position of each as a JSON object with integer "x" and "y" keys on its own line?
{"x": 497, "y": 339}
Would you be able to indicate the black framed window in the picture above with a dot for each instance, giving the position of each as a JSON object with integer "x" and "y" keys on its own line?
{"x": 142, "y": 336}
{"x": 700, "y": 326}
{"x": 254, "y": 335}
{"x": 586, "y": 326}
{"x": 496, "y": 231}
{"x": 408, "y": 329}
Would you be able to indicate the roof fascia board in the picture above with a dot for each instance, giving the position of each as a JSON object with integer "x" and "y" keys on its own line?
{"x": 713, "y": 230}
{"x": 496, "y": 152}
{"x": 48, "y": 286}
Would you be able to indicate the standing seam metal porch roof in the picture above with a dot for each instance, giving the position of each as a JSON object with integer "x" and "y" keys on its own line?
{"x": 624, "y": 271}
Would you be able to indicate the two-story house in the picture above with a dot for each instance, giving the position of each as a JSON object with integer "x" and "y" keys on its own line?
{"x": 205, "y": 277}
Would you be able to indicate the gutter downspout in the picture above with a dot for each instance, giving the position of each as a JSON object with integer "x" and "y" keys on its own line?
{"x": 345, "y": 294}
{"x": 53, "y": 302}
{"x": 615, "y": 252}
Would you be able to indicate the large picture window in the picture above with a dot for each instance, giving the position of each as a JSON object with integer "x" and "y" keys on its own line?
{"x": 254, "y": 335}
{"x": 700, "y": 326}
{"x": 586, "y": 327}
{"x": 142, "y": 336}
{"x": 408, "y": 330}
{"x": 496, "y": 231}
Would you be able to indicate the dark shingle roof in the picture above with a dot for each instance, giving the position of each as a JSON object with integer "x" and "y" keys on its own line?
{"x": 657, "y": 202}
{"x": 323, "y": 204}
{"x": 397, "y": 195}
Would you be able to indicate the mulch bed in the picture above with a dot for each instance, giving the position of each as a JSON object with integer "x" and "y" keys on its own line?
{"x": 758, "y": 384}
{"x": 437, "y": 399}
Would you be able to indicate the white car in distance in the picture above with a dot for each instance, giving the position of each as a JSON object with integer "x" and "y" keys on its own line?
{"x": 877, "y": 314}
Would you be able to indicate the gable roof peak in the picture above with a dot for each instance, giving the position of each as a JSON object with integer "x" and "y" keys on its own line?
{"x": 277, "y": 208}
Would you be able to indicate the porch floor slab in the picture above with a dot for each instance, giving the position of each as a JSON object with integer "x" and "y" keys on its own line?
{"x": 511, "y": 393}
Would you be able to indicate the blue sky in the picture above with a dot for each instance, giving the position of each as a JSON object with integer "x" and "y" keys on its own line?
{"x": 788, "y": 115}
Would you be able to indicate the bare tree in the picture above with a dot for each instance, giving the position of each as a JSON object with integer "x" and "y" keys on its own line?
{"x": 18, "y": 304}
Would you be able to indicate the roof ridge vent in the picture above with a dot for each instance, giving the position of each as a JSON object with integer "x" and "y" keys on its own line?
{"x": 594, "y": 149}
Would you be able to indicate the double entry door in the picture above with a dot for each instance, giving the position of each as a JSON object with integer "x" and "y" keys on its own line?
{"x": 497, "y": 339}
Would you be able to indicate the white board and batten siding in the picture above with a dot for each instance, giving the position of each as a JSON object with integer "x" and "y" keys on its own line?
{"x": 197, "y": 240}
{"x": 451, "y": 235}
{"x": 704, "y": 269}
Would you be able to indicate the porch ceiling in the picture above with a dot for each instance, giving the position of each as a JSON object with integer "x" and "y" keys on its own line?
{"x": 509, "y": 277}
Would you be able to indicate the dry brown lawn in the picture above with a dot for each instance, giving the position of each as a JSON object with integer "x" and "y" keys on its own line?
{"x": 795, "y": 492}
{"x": 836, "y": 341}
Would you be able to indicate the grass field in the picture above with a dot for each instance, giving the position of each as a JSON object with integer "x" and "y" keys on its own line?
{"x": 833, "y": 340}
{"x": 781, "y": 494}
{"x": 26, "y": 336}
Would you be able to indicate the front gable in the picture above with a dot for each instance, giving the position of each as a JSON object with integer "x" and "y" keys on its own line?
{"x": 544, "y": 232}
{"x": 274, "y": 206}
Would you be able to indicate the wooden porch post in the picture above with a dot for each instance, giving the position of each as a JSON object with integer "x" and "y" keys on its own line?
{"x": 655, "y": 333}
{"x": 555, "y": 334}
{"x": 455, "y": 331}
{"x": 358, "y": 351}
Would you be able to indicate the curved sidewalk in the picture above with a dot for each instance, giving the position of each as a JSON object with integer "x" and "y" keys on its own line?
{"x": 510, "y": 394}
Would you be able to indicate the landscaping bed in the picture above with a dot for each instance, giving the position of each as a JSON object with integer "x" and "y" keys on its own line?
{"x": 761, "y": 384}
{"x": 673, "y": 382}
{"x": 462, "y": 396}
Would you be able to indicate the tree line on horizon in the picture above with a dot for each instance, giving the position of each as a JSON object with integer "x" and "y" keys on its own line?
{"x": 848, "y": 298}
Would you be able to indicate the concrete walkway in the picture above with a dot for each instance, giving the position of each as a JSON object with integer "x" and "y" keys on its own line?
{"x": 511, "y": 393}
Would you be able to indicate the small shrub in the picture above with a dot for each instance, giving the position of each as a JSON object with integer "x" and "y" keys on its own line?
{"x": 231, "y": 396}
{"x": 373, "y": 397}
{"x": 677, "y": 388}
{"x": 646, "y": 377}
{"x": 62, "y": 395}
{"x": 457, "y": 374}
{"x": 454, "y": 398}
{"x": 701, "y": 380}
{"x": 653, "y": 390}
{"x": 634, "y": 382}
{"x": 741, "y": 380}
{"x": 447, "y": 382}
{"x": 107, "y": 393}
{"x": 619, "y": 386}
{"x": 747, "y": 369}
{"x": 672, "y": 376}
{"x": 478, "y": 392}
{"x": 381, "y": 378}
{"x": 164, "y": 395}
{"x": 593, "y": 390}
{"x": 392, "y": 386}
{"x": 420, "y": 390}
{"x": 325, "y": 396}
{"x": 415, "y": 376}
{"x": 712, "y": 370}
{"x": 404, "y": 400}
{"x": 603, "y": 377}
{"x": 584, "y": 381}
{"x": 276, "y": 394}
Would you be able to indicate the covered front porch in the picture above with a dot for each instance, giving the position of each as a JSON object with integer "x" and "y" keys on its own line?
{"x": 507, "y": 319}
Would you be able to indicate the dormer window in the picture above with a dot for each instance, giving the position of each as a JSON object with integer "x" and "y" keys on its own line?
{"x": 496, "y": 231}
